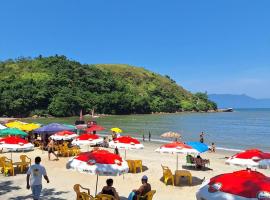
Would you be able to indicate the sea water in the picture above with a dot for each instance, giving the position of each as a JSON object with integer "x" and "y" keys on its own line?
{"x": 238, "y": 130}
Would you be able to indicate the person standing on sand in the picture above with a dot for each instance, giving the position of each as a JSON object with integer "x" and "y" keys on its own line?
{"x": 143, "y": 138}
{"x": 50, "y": 148}
{"x": 34, "y": 178}
{"x": 202, "y": 137}
{"x": 149, "y": 136}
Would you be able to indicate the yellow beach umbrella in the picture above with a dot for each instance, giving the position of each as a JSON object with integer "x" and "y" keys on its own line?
{"x": 29, "y": 127}
{"x": 15, "y": 124}
{"x": 116, "y": 130}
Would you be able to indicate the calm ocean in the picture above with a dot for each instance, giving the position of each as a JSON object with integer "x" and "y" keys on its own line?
{"x": 238, "y": 130}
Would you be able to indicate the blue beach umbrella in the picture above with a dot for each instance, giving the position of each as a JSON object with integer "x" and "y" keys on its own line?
{"x": 52, "y": 128}
{"x": 200, "y": 147}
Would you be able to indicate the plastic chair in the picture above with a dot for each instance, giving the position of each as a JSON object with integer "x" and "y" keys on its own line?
{"x": 167, "y": 175}
{"x": 137, "y": 164}
{"x": 2, "y": 163}
{"x": 82, "y": 195}
{"x": 104, "y": 197}
{"x": 148, "y": 196}
{"x": 7, "y": 165}
{"x": 25, "y": 162}
{"x": 190, "y": 160}
{"x": 130, "y": 165}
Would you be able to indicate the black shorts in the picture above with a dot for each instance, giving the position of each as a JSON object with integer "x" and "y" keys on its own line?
{"x": 50, "y": 150}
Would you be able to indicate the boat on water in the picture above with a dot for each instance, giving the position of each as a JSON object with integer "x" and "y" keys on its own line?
{"x": 225, "y": 110}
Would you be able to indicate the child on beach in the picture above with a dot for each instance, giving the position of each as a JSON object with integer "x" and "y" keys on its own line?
{"x": 213, "y": 148}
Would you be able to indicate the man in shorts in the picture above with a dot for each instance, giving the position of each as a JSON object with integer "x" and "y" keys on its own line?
{"x": 34, "y": 174}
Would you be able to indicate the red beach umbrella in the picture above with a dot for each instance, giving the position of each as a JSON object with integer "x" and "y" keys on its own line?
{"x": 94, "y": 128}
{"x": 87, "y": 139}
{"x": 239, "y": 185}
{"x": 64, "y": 135}
{"x": 250, "y": 158}
{"x": 15, "y": 143}
{"x": 99, "y": 162}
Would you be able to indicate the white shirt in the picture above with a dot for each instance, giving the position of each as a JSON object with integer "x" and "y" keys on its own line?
{"x": 36, "y": 172}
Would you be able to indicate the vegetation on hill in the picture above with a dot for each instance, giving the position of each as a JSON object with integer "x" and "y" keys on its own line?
{"x": 61, "y": 87}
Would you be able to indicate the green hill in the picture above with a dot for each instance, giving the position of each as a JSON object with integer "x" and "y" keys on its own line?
{"x": 61, "y": 87}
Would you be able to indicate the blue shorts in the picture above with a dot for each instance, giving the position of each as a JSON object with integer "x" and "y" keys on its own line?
{"x": 36, "y": 190}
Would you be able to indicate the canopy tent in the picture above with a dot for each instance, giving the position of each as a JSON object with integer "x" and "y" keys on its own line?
{"x": 100, "y": 163}
{"x": 52, "y": 128}
{"x": 239, "y": 185}
{"x": 250, "y": 158}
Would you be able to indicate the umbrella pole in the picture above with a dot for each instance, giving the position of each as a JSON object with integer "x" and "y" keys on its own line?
{"x": 176, "y": 161}
{"x": 125, "y": 154}
{"x": 96, "y": 185}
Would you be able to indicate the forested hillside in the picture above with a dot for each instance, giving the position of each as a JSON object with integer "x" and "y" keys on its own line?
{"x": 61, "y": 87}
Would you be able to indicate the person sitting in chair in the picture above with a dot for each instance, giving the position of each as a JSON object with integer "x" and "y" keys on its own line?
{"x": 108, "y": 189}
{"x": 143, "y": 190}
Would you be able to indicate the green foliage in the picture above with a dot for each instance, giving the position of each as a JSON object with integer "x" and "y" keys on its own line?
{"x": 61, "y": 87}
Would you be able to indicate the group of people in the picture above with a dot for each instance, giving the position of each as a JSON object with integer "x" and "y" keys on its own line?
{"x": 37, "y": 171}
{"x": 213, "y": 146}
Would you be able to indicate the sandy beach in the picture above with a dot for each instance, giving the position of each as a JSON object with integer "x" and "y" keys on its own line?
{"x": 62, "y": 180}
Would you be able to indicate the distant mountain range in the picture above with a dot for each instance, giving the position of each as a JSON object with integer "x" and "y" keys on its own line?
{"x": 238, "y": 101}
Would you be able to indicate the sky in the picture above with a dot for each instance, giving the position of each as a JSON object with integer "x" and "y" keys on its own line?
{"x": 215, "y": 46}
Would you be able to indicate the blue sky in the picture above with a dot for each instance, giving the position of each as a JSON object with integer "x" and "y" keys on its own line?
{"x": 215, "y": 46}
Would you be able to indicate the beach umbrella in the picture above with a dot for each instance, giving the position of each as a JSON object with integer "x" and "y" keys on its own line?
{"x": 52, "y": 128}
{"x": 15, "y": 143}
{"x": 64, "y": 135}
{"x": 239, "y": 185}
{"x": 171, "y": 134}
{"x": 29, "y": 127}
{"x": 100, "y": 163}
{"x": 14, "y": 124}
{"x": 250, "y": 158}
{"x": 87, "y": 139}
{"x": 126, "y": 142}
{"x": 116, "y": 130}
{"x": 176, "y": 148}
{"x": 70, "y": 126}
{"x": 200, "y": 147}
{"x": 94, "y": 128}
{"x": 12, "y": 131}
{"x": 2, "y": 127}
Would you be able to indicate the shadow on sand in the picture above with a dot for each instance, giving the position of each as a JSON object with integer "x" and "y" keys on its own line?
{"x": 184, "y": 181}
{"x": 46, "y": 194}
{"x": 7, "y": 186}
{"x": 195, "y": 169}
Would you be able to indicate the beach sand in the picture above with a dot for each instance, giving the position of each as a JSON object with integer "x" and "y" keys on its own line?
{"x": 62, "y": 180}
